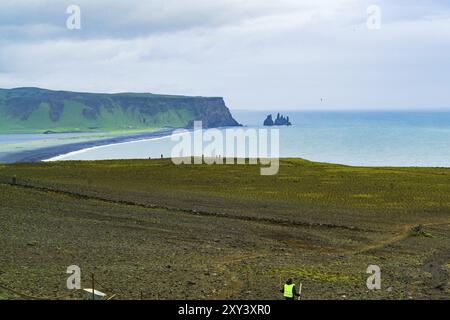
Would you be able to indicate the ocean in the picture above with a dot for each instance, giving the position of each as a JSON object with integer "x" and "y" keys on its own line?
{"x": 351, "y": 138}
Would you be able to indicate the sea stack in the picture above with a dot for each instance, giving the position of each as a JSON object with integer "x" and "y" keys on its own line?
{"x": 279, "y": 121}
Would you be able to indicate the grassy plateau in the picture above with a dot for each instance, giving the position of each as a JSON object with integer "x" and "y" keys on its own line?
{"x": 35, "y": 110}
{"x": 153, "y": 230}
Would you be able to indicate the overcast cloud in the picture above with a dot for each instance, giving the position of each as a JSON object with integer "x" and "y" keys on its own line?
{"x": 257, "y": 54}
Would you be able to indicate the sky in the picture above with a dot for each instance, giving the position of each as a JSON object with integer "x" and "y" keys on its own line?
{"x": 257, "y": 54}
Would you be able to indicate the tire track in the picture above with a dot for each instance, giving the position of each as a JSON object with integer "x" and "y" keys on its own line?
{"x": 401, "y": 235}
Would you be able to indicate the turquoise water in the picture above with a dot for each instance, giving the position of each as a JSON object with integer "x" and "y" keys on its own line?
{"x": 366, "y": 138}
{"x": 16, "y": 143}
{"x": 352, "y": 138}
{"x": 24, "y": 137}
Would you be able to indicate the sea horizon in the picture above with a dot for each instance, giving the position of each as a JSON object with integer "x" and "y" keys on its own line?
{"x": 198, "y": 151}
{"x": 357, "y": 138}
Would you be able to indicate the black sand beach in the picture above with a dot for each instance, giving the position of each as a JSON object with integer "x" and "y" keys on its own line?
{"x": 41, "y": 154}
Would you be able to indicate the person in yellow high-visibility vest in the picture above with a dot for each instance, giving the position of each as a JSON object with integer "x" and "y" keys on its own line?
{"x": 289, "y": 291}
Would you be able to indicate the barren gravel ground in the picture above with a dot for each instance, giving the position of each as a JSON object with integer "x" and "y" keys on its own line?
{"x": 153, "y": 230}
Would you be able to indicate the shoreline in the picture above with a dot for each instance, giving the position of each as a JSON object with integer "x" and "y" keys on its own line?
{"x": 48, "y": 153}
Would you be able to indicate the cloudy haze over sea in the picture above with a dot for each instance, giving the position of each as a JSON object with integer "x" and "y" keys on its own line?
{"x": 257, "y": 54}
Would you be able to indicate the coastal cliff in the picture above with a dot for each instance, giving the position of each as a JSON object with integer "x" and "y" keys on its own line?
{"x": 37, "y": 110}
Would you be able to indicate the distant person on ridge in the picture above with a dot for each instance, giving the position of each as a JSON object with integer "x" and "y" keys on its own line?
{"x": 289, "y": 292}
